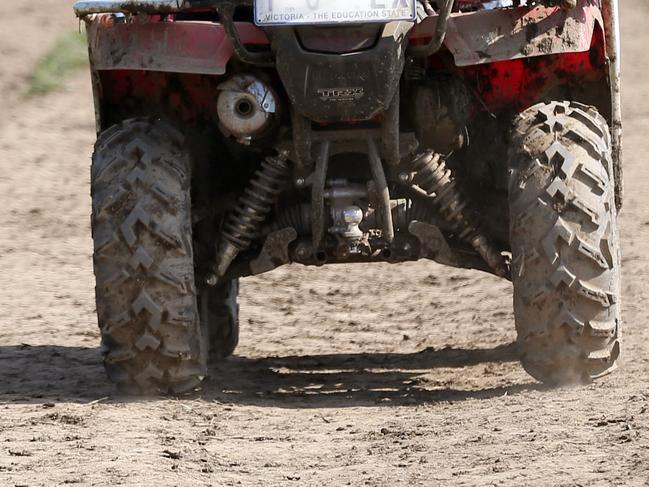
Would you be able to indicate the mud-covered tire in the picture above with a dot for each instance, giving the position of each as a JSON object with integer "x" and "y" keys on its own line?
{"x": 145, "y": 292}
{"x": 565, "y": 246}
{"x": 219, "y": 313}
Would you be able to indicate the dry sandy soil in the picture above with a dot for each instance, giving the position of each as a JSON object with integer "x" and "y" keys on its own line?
{"x": 344, "y": 376}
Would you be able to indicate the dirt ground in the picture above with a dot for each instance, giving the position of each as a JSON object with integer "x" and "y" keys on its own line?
{"x": 385, "y": 375}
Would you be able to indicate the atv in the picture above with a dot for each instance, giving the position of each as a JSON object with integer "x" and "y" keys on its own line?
{"x": 237, "y": 136}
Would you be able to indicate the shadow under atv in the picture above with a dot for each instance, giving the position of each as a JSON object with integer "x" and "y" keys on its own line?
{"x": 43, "y": 374}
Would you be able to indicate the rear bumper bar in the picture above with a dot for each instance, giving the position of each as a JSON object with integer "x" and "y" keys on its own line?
{"x": 87, "y": 7}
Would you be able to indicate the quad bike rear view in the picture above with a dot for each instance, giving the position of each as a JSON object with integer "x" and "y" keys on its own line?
{"x": 238, "y": 136}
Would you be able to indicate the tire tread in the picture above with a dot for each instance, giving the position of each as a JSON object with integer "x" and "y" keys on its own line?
{"x": 146, "y": 298}
{"x": 566, "y": 287}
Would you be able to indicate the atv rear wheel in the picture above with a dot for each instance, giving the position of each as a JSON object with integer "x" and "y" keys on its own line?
{"x": 565, "y": 247}
{"x": 220, "y": 318}
{"x": 145, "y": 292}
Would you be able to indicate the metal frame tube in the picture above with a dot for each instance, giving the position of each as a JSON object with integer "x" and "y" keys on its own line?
{"x": 613, "y": 50}
{"x": 437, "y": 40}
{"x": 87, "y": 7}
{"x": 317, "y": 195}
{"x": 378, "y": 175}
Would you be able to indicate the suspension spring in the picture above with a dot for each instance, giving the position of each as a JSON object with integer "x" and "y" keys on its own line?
{"x": 243, "y": 224}
{"x": 436, "y": 180}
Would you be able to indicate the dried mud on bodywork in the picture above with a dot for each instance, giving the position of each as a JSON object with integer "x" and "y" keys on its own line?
{"x": 348, "y": 374}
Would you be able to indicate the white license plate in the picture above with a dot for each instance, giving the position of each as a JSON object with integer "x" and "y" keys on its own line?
{"x": 315, "y": 12}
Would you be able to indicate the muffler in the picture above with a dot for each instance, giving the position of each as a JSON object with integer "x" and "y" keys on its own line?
{"x": 246, "y": 108}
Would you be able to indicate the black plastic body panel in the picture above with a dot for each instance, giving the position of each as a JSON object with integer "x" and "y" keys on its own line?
{"x": 353, "y": 86}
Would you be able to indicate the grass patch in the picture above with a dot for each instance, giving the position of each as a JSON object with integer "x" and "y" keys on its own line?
{"x": 68, "y": 54}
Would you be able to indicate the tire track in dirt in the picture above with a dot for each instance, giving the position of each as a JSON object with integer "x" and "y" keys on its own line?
{"x": 382, "y": 375}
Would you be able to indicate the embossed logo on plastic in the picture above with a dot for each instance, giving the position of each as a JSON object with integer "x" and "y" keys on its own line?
{"x": 341, "y": 94}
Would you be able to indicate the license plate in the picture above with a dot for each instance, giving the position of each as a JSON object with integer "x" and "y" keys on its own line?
{"x": 328, "y": 12}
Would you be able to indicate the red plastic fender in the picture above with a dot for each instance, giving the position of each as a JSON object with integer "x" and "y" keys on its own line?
{"x": 489, "y": 36}
{"x": 169, "y": 46}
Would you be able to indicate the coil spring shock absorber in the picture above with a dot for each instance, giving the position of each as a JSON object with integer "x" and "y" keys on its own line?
{"x": 436, "y": 179}
{"x": 242, "y": 224}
